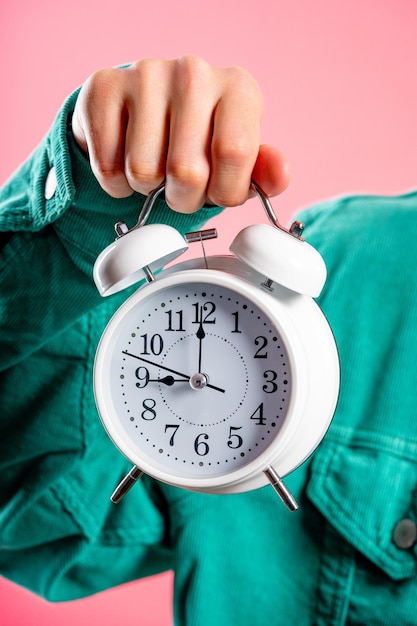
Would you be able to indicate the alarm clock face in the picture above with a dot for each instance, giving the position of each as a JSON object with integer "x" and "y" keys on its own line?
{"x": 193, "y": 378}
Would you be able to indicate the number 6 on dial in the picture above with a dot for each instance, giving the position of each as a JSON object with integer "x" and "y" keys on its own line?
{"x": 221, "y": 374}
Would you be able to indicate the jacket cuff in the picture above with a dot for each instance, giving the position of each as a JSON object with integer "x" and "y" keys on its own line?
{"x": 88, "y": 227}
{"x": 56, "y": 186}
{"x": 42, "y": 188}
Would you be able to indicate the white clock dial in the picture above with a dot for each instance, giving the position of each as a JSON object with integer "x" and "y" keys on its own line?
{"x": 198, "y": 380}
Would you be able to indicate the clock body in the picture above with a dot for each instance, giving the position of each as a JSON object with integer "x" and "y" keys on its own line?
{"x": 205, "y": 377}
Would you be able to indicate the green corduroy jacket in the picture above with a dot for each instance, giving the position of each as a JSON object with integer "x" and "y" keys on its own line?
{"x": 347, "y": 556}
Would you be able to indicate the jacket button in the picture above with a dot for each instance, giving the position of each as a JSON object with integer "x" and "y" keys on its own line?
{"x": 50, "y": 184}
{"x": 405, "y": 534}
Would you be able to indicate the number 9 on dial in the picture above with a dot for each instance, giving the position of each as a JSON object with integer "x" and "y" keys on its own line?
{"x": 219, "y": 374}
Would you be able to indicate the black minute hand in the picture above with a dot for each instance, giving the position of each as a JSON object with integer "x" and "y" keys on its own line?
{"x": 168, "y": 369}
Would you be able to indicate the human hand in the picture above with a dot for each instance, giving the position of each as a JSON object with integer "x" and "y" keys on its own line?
{"x": 182, "y": 120}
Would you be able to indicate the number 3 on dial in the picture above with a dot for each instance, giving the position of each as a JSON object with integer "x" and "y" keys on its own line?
{"x": 195, "y": 381}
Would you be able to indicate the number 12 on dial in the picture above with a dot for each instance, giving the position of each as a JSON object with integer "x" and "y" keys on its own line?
{"x": 204, "y": 384}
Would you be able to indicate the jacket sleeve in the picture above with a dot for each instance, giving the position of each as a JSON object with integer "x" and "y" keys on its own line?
{"x": 60, "y": 536}
{"x": 55, "y": 220}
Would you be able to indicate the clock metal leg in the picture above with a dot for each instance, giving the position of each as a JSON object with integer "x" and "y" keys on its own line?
{"x": 283, "y": 492}
{"x": 126, "y": 484}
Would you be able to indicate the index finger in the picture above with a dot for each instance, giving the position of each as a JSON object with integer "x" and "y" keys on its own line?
{"x": 236, "y": 139}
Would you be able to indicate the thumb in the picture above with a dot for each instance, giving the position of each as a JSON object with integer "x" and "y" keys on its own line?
{"x": 271, "y": 170}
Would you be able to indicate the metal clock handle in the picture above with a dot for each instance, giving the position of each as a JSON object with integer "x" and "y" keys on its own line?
{"x": 296, "y": 228}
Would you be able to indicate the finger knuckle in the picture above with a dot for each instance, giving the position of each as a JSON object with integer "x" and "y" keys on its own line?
{"x": 243, "y": 83}
{"x": 101, "y": 82}
{"x": 227, "y": 196}
{"x": 191, "y": 72}
{"x": 111, "y": 178}
{"x": 143, "y": 176}
{"x": 188, "y": 174}
{"x": 146, "y": 68}
{"x": 235, "y": 151}
{"x": 242, "y": 79}
{"x": 108, "y": 171}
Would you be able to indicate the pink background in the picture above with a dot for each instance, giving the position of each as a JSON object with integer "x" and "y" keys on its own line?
{"x": 340, "y": 85}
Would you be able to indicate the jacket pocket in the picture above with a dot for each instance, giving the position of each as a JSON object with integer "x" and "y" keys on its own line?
{"x": 364, "y": 492}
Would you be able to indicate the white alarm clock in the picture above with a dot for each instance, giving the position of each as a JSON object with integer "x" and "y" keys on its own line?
{"x": 219, "y": 374}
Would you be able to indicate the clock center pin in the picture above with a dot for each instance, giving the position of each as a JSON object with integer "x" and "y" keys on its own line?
{"x": 198, "y": 381}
